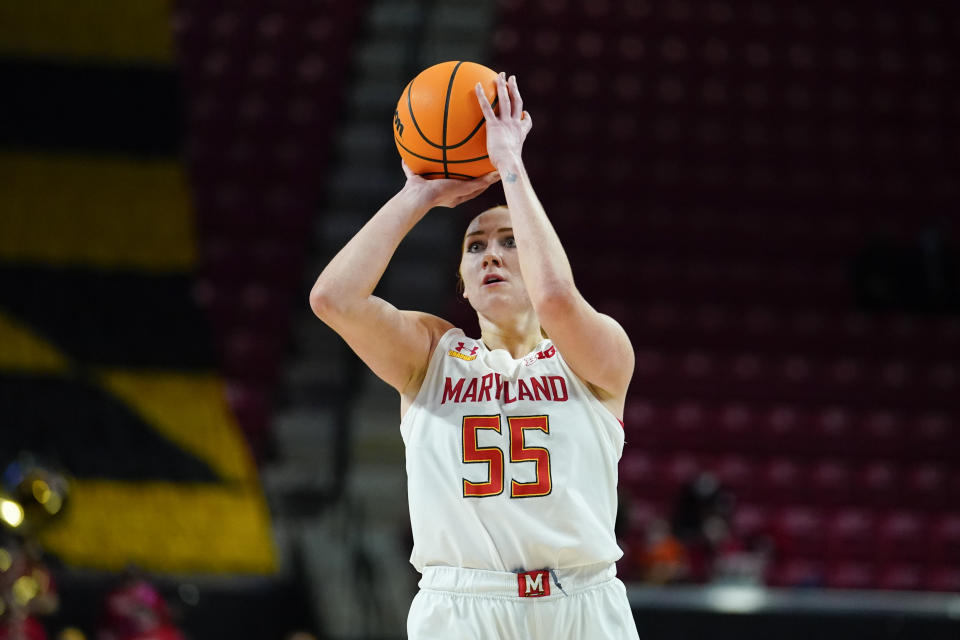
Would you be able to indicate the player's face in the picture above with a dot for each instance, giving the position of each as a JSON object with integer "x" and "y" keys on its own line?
{"x": 489, "y": 266}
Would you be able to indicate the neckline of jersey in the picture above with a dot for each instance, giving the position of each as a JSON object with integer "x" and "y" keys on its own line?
{"x": 537, "y": 347}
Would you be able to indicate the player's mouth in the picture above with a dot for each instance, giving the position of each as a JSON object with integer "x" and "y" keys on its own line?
{"x": 492, "y": 278}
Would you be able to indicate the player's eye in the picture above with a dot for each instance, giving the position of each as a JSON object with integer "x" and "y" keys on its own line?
{"x": 510, "y": 242}
{"x": 474, "y": 246}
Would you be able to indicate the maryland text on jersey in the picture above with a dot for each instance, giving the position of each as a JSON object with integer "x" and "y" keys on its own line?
{"x": 492, "y": 387}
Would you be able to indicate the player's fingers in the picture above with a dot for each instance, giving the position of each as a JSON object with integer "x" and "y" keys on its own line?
{"x": 479, "y": 185}
{"x": 489, "y": 178}
{"x": 515, "y": 100}
{"x": 407, "y": 171}
{"x": 503, "y": 93}
{"x": 526, "y": 121}
{"x": 484, "y": 103}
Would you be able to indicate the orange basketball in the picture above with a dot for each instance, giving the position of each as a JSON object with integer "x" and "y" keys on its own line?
{"x": 438, "y": 125}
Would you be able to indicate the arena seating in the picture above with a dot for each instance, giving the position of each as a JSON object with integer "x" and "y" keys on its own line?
{"x": 258, "y": 80}
{"x": 704, "y": 166}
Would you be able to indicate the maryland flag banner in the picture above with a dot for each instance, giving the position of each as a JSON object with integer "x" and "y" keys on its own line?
{"x": 106, "y": 363}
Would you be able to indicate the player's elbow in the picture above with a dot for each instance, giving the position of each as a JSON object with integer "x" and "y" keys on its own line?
{"x": 324, "y": 303}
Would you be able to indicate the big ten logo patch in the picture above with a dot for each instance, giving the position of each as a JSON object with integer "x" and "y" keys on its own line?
{"x": 533, "y": 584}
{"x": 463, "y": 352}
{"x": 533, "y": 358}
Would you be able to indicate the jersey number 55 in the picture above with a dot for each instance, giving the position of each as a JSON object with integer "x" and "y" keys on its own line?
{"x": 493, "y": 456}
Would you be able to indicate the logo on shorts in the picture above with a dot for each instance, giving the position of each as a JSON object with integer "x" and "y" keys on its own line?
{"x": 458, "y": 352}
{"x": 533, "y": 584}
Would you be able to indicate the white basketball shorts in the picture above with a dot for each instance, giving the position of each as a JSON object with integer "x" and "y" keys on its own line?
{"x": 585, "y": 603}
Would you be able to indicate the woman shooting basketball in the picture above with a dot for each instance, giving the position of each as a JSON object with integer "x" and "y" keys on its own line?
{"x": 512, "y": 440}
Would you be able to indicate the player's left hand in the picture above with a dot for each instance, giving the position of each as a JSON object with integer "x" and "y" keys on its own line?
{"x": 507, "y": 129}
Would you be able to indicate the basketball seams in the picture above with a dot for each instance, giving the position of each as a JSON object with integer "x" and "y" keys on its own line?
{"x": 447, "y": 174}
{"x": 413, "y": 118}
{"x": 470, "y": 135}
{"x": 417, "y": 155}
{"x": 446, "y": 113}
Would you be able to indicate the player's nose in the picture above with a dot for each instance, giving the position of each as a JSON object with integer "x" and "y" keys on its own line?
{"x": 491, "y": 258}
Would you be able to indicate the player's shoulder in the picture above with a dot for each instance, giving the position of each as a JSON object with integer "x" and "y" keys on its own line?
{"x": 435, "y": 326}
{"x": 437, "y": 331}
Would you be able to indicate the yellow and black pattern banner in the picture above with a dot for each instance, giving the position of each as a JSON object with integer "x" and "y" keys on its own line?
{"x": 106, "y": 364}
{"x": 116, "y": 30}
{"x": 63, "y": 210}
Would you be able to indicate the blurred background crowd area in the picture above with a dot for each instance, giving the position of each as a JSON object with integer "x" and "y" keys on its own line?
{"x": 763, "y": 192}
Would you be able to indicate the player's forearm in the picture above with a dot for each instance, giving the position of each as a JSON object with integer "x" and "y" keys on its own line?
{"x": 354, "y": 272}
{"x": 543, "y": 262}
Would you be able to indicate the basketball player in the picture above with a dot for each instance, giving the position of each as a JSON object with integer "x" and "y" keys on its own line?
{"x": 512, "y": 440}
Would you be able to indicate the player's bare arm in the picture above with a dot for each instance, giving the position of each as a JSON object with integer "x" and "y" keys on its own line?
{"x": 595, "y": 345}
{"x": 395, "y": 344}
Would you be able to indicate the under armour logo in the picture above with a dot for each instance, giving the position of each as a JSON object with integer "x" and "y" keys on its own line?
{"x": 461, "y": 347}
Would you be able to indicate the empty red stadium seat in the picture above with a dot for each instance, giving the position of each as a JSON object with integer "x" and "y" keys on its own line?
{"x": 932, "y": 436}
{"x": 750, "y": 520}
{"x": 925, "y": 486}
{"x": 642, "y": 423}
{"x": 850, "y": 534}
{"x": 940, "y": 578}
{"x": 850, "y": 575}
{"x": 781, "y": 481}
{"x": 880, "y": 434}
{"x": 686, "y": 426}
{"x": 251, "y": 406}
{"x": 784, "y": 429}
{"x": 877, "y": 484}
{"x": 738, "y": 428}
{"x": 901, "y": 535}
{"x": 834, "y": 432}
{"x": 797, "y": 572}
{"x": 944, "y": 540}
{"x": 900, "y": 577}
{"x": 953, "y": 484}
{"x": 680, "y": 468}
{"x": 637, "y": 472}
{"x": 250, "y": 357}
{"x": 738, "y": 474}
{"x": 800, "y": 532}
{"x": 830, "y": 482}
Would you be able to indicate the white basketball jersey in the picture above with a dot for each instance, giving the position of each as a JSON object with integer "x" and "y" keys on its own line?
{"x": 511, "y": 464}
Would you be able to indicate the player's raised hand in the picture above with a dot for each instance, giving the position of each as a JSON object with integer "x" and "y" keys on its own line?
{"x": 441, "y": 192}
{"x": 507, "y": 130}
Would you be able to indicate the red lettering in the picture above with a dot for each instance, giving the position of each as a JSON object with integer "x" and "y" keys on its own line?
{"x": 549, "y": 353}
{"x": 561, "y": 394}
{"x": 451, "y": 391}
{"x": 485, "y": 383}
{"x": 498, "y": 385}
{"x": 506, "y": 393}
{"x": 523, "y": 390}
{"x": 520, "y": 452}
{"x": 540, "y": 385}
{"x": 491, "y": 456}
{"x": 471, "y": 392}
